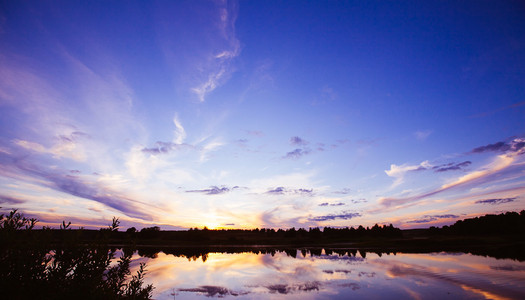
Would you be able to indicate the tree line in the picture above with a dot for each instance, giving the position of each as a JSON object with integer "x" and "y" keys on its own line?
{"x": 509, "y": 223}
{"x": 264, "y": 235}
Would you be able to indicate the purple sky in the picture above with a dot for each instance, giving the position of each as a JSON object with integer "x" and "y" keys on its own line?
{"x": 261, "y": 113}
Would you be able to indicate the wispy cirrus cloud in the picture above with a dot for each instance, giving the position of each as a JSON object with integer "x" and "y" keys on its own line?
{"x": 179, "y": 132}
{"x": 501, "y": 163}
{"x": 332, "y": 204}
{"x": 495, "y": 201}
{"x": 209, "y": 148}
{"x": 202, "y": 147}
{"x": 344, "y": 191}
{"x": 398, "y": 171}
{"x": 514, "y": 145}
{"x": 179, "y": 135}
{"x": 214, "y": 190}
{"x": 297, "y": 153}
{"x": 279, "y": 217}
{"x": 282, "y": 190}
{"x": 62, "y": 132}
{"x": 10, "y": 200}
{"x": 166, "y": 147}
{"x": 277, "y": 191}
{"x": 331, "y": 217}
{"x": 45, "y": 120}
{"x": 74, "y": 185}
{"x": 205, "y": 61}
{"x": 451, "y": 166}
{"x": 297, "y": 141}
{"x": 361, "y": 200}
{"x": 305, "y": 147}
{"x": 431, "y": 218}
{"x": 64, "y": 146}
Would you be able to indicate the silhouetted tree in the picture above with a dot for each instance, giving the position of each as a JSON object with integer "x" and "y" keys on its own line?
{"x": 150, "y": 232}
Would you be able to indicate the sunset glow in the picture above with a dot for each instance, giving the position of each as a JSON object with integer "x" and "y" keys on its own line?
{"x": 273, "y": 114}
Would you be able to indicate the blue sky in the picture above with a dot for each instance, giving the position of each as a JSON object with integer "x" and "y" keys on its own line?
{"x": 262, "y": 113}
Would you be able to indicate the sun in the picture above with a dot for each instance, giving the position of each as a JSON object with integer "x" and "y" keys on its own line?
{"x": 212, "y": 225}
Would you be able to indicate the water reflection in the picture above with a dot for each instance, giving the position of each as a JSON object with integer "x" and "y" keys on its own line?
{"x": 330, "y": 274}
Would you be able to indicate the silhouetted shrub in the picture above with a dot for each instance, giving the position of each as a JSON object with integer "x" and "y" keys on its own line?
{"x": 36, "y": 266}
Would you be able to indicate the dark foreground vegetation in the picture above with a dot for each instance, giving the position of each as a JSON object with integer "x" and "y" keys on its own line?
{"x": 64, "y": 263}
{"x": 34, "y": 264}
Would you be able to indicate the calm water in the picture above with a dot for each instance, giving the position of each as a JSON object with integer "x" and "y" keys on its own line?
{"x": 333, "y": 276}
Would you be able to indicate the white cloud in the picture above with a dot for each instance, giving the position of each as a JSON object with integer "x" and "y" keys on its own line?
{"x": 63, "y": 148}
{"x": 501, "y": 162}
{"x": 210, "y": 85}
{"x": 475, "y": 178}
{"x": 398, "y": 172}
{"x": 204, "y": 62}
{"x": 180, "y": 133}
{"x": 211, "y": 146}
{"x": 31, "y": 146}
{"x": 292, "y": 181}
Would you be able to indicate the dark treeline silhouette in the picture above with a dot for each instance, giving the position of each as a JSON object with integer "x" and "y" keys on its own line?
{"x": 480, "y": 231}
{"x": 506, "y": 224}
{"x": 58, "y": 264}
{"x": 500, "y": 236}
{"x": 509, "y": 223}
{"x": 264, "y": 236}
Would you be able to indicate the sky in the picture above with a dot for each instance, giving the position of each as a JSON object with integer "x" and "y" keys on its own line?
{"x": 268, "y": 114}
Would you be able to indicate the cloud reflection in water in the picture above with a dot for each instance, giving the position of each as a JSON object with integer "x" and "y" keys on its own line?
{"x": 335, "y": 276}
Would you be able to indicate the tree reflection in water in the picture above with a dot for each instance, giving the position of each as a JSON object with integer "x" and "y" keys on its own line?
{"x": 317, "y": 273}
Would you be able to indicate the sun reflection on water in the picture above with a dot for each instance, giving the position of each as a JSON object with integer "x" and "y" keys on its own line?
{"x": 274, "y": 276}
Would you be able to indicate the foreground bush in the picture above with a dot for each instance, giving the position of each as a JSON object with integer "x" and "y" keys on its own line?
{"x": 34, "y": 266}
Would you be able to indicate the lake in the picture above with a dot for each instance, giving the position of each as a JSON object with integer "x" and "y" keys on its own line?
{"x": 325, "y": 274}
